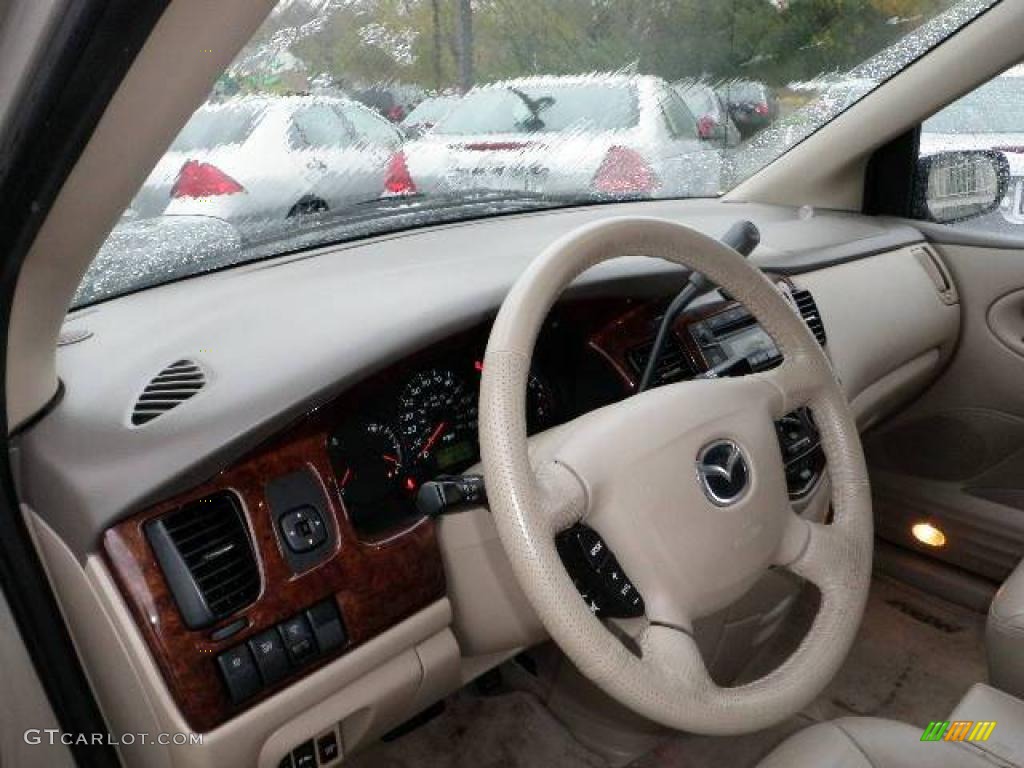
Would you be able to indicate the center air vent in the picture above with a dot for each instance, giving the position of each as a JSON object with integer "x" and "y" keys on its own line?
{"x": 171, "y": 387}
{"x": 207, "y": 557}
{"x": 809, "y": 311}
{"x": 672, "y": 363}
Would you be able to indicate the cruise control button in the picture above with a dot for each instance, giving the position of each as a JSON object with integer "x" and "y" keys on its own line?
{"x": 595, "y": 552}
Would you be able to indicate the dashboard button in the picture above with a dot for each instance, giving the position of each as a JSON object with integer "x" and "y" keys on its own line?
{"x": 298, "y": 639}
{"x": 240, "y": 673}
{"x": 268, "y": 650}
{"x": 327, "y": 748}
{"x": 327, "y": 626}
{"x": 304, "y": 755}
{"x": 303, "y": 529}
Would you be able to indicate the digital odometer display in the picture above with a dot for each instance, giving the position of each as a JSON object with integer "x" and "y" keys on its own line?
{"x": 452, "y": 455}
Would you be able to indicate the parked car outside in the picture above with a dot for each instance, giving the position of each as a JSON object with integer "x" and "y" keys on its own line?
{"x": 989, "y": 117}
{"x": 427, "y": 114}
{"x": 606, "y": 136}
{"x": 707, "y": 105}
{"x": 752, "y": 105}
{"x": 269, "y": 158}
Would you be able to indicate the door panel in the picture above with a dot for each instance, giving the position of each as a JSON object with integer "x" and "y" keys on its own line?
{"x": 1006, "y": 319}
{"x": 25, "y": 712}
{"x": 955, "y": 458}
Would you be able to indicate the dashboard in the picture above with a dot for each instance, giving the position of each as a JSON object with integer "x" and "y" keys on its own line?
{"x": 335, "y": 539}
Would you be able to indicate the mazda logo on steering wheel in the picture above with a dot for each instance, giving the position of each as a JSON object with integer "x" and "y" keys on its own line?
{"x": 723, "y": 472}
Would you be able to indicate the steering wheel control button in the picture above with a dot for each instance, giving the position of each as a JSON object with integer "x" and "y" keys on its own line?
{"x": 723, "y": 472}
{"x": 327, "y": 626}
{"x": 801, "y": 451}
{"x": 271, "y": 658}
{"x": 303, "y": 529}
{"x": 240, "y": 673}
{"x": 592, "y": 546}
{"x": 298, "y": 639}
{"x": 601, "y": 582}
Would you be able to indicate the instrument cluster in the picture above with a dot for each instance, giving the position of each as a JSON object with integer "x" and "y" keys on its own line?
{"x": 417, "y": 429}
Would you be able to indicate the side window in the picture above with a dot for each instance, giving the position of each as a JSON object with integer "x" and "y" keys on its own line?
{"x": 372, "y": 129}
{"x": 959, "y": 187}
{"x": 678, "y": 118}
{"x": 319, "y": 126}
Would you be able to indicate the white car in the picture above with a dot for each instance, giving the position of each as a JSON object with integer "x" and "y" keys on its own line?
{"x": 990, "y": 117}
{"x": 264, "y": 159}
{"x": 593, "y": 135}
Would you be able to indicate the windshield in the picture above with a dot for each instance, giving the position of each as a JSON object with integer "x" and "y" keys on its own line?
{"x": 996, "y": 107}
{"x": 345, "y": 119}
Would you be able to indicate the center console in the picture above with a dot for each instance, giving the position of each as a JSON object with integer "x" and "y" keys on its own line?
{"x": 721, "y": 338}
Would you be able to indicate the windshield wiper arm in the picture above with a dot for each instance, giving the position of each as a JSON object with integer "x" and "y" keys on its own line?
{"x": 534, "y": 123}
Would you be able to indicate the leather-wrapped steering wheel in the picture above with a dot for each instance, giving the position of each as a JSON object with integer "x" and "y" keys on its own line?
{"x": 629, "y": 470}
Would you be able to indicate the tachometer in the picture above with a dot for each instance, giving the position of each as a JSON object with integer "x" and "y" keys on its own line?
{"x": 437, "y": 421}
{"x": 367, "y": 460}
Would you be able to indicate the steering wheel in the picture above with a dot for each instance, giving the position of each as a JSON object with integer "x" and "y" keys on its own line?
{"x": 631, "y": 471}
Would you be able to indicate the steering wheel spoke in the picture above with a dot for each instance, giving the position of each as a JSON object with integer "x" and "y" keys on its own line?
{"x": 562, "y": 497}
{"x": 799, "y": 380}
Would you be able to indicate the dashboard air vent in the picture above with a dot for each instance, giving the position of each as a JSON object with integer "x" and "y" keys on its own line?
{"x": 206, "y": 554}
{"x": 171, "y": 387}
{"x": 672, "y": 363}
{"x": 809, "y": 311}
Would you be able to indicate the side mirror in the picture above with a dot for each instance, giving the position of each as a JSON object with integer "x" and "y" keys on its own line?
{"x": 961, "y": 185}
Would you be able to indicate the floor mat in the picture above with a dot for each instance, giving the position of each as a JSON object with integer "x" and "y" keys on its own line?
{"x": 510, "y": 730}
{"x": 913, "y": 659}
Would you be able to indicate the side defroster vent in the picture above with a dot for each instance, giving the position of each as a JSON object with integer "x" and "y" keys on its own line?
{"x": 206, "y": 554}
{"x": 809, "y": 311}
{"x": 168, "y": 389}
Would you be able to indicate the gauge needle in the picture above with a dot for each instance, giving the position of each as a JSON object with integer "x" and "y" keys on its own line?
{"x": 390, "y": 458}
{"x": 434, "y": 437}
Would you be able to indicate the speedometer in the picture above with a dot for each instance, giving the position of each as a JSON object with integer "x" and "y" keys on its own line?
{"x": 437, "y": 421}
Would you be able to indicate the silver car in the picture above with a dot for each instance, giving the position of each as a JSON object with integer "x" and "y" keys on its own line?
{"x": 268, "y": 158}
{"x": 595, "y": 136}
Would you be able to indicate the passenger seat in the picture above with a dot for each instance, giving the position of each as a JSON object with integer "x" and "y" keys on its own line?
{"x": 1004, "y": 635}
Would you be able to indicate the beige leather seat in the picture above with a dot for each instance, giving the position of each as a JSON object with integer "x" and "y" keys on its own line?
{"x": 1004, "y": 635}
{"x": 865, "y": 742}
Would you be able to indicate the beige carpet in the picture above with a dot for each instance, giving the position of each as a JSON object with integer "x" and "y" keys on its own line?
{"x": 913, "y": 659}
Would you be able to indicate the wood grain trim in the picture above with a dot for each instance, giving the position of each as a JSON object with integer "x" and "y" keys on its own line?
{"x": 639, "y": 325}
{"x": 375, "y": 584}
